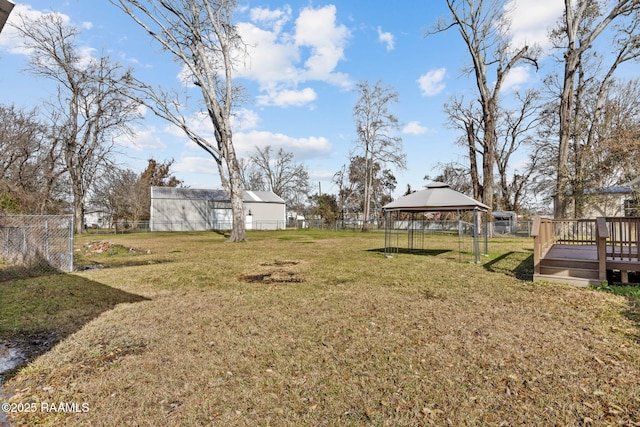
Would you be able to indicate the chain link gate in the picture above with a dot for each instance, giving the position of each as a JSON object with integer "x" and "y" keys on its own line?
{"x": 39, "y": 242}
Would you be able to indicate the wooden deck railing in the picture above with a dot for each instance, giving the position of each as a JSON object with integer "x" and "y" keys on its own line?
{"x": 602, "y": 235}
{"x": 624, "y": 237}
{"x": 542, "y": 233}
{"x": 617, "y": 240}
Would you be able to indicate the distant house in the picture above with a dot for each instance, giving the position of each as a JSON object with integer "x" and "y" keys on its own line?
{"x": 618, "y": 200}
{"x": 189, "y": 209}
{"x": 97, "y": 218}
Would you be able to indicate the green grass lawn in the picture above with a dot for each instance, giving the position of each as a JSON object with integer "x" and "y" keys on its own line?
{"x": 318, "y": 328}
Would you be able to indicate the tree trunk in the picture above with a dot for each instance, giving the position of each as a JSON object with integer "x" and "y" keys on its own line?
{"x": 489, "y": 157}
{"x": 78, "y": 213}
{"x": 566, "y": 107}
{"x": 473, "y": 162}
{"x": 368, "y": 173}
{"x": 238, "y": 232}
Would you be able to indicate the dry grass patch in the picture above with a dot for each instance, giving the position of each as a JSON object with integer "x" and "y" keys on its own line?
{"x": 357, "y": 340}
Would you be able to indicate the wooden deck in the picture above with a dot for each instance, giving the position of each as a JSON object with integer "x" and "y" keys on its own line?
{"x": 581, "y": 252}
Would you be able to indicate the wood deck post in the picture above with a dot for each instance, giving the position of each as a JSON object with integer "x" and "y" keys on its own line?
{"x": 537, "y": 246}
{"x": 602, "y": 234}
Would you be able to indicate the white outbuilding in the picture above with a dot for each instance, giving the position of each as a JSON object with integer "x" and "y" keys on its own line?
{"x": 191, "y": 209}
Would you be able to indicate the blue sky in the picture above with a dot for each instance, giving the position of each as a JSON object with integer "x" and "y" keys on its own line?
{"x": 305, "y": 58}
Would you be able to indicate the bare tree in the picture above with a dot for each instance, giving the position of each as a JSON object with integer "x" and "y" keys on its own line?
{"x": 89, "y": 111}
{"x": 282, "y": 175}
{"x": 454, "y": 174}
{"x": 349, "y": 198}
{"x": 583, "y": 22}
{"x": 30, "y": 162}
{"x": 381, "y": 183}
{"x": 482, "y": 26}
{"x": 126, "y": 195}
{"x": 200, "y": 35}
{"x": 156, "y": 174}
{"x": 607, "y": 148}
{"x": 112, "y": 193}
{"x": 251, "y": 175}
{"x": 468, "y": 119}
{"x": 377, "y": 141}
{"x": 515, "y": 130}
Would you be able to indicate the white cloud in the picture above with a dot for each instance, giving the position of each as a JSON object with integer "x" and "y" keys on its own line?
{"x": 143, "y": 139}
{"x": 302, "y": 148}
{"x": 532, "y": 19}
{"x": 414, "y": 128}
{"x": 245, "y": 142}
{"x": 11, "y": 40}
{"x": 274, "y": 19}
{"x": 200, "y": 123}
{"x": 280, "y": 60}
{"x": 386, "y": 38}
{"x": 321, "y": 175}
{"x": 431, "y": 83}
{"x": 196, "y": 165}
{"x": 317, "y": 29}
{"x": 516, "y": 77}
{"x": 270, "y": 58}
{"x": 23, "y": 15}
{"x": 244, "y": 119}
{"x": 285, "y": 98}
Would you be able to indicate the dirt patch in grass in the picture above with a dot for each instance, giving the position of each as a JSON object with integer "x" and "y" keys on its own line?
{"x": 362, "y": 340}
{"x": 273, "y": 272}
{"x": 95, "y": 247}
{"x": 96, "y": 254}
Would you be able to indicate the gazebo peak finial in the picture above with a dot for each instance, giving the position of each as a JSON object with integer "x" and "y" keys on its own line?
{"x": 437, "y": 184}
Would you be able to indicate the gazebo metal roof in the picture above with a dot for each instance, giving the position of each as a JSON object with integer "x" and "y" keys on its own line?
{"x": 438, "y": 196}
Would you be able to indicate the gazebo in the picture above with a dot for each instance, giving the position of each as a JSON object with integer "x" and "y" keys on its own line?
{"x": 408, "y": 214}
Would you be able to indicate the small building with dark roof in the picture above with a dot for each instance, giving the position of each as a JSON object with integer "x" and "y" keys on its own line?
{"x": 617, "y": 200}
{"x": 191, "y": 209}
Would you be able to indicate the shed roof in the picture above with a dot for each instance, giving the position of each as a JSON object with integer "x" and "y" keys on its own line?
{"x": 438, "y": 196}
{"x": 626, "y": 188}
{"x": 176, "y": 193}
{"x": 262, "y": 197}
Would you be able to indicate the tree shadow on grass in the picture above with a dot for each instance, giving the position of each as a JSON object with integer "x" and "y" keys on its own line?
{"x": 36, "y": 313}
{"x": 15, "y": 272}
{"x": 516, "y": 264}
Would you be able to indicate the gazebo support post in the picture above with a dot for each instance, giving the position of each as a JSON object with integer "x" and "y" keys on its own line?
{"x": 410, "y": 233}
{"x": 486, "y": 234}
{"x": 460, "y": 235}
{"x": 476, "y": 242}
{"x": 390, "y": 234}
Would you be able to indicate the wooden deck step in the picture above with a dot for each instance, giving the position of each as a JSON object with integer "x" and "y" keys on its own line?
{"x": 575, "y": 263}
{"x": 569, "y": 271}
{"x": 575, "y": 281}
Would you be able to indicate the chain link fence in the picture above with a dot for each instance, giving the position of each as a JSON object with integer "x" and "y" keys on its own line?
{"x": 37, "y": 242}
{"x": 497, "y": 228}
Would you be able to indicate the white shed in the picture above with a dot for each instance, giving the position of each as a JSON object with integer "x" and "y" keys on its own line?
{"x": 190, "y": 209}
